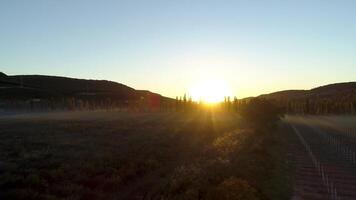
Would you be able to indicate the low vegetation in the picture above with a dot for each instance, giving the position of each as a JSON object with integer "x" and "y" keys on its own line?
{"x": 203, "y": 155}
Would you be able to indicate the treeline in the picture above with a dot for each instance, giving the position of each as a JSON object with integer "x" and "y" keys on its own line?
{"x": 323, "y": 106}
{"x": 186, "y": 104}
{"x": 259, "y": 112}
{"x": 144, "y": 104}
{"x": 251, "y": 108}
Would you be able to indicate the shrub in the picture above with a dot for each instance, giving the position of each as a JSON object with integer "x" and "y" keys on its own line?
{"x": 233, "y": 189}
{"x": 261, "y": 113}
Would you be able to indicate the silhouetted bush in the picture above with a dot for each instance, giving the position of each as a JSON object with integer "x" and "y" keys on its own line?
{"x": 260, "y": 112}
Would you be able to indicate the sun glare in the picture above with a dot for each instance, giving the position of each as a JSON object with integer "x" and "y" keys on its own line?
{"x": 210, "y": 91}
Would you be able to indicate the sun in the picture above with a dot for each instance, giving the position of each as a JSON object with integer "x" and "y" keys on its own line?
{"x": 210, "y": 90}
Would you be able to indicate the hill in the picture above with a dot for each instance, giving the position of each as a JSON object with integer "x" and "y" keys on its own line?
{"x": 348, "y": 88}
{"x": 337, "y": 98}
{"x": 55, "y": 86}
{"x": 49, "y": 89}
{"x": 336, "y": 90}
{"x": 286, "y": 94}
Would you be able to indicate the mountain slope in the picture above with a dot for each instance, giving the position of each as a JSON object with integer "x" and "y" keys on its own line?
{"x": 338, "y": 98}
{"x": 333, "y": 91}
{"x": 38, "y": 86}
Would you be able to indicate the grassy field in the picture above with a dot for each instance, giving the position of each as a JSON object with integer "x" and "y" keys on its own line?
{"x": 111, "y": 155}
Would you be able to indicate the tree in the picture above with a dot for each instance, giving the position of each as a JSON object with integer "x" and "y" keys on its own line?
{"x": 235, "y": 108}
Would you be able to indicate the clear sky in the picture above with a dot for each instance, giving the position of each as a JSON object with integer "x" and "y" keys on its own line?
{"x": 257, "y": 46}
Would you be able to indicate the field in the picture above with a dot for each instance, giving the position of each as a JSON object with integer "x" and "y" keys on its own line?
{"x": 117, "y": 155}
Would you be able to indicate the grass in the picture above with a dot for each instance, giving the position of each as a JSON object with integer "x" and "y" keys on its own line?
{"x": 107, "y": 155}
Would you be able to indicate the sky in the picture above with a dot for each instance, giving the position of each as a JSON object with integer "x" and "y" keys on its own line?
{"x": 166, "y": 46}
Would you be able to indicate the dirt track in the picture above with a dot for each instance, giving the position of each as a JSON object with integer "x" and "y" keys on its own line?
{"x": 323, "y": 149}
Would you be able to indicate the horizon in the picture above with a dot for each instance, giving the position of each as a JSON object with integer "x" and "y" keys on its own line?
{"x": 178, "y": 95}
{"x": 170, "y": 47}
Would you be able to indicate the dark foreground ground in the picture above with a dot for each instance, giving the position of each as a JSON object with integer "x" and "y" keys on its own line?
{"x": 110, "y": 155}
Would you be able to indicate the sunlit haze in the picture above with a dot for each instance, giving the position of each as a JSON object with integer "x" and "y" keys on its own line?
{"x": 169, "y": 47}
{"x": 210, "y": 90}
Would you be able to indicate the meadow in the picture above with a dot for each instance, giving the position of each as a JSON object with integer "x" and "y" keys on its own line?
{"x": 126, "y": 155}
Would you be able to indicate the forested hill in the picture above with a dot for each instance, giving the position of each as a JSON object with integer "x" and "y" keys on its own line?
{"x": 54, "y": 88}
{"x": 333, "y": 98}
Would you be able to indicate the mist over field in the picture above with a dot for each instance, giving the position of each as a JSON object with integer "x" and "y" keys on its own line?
{"x": 113, "y": 155}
